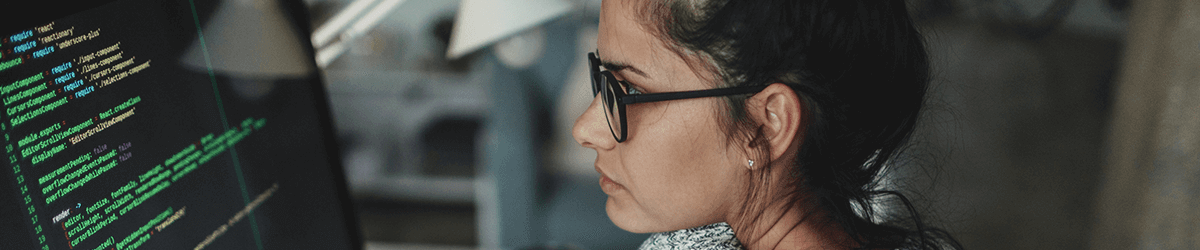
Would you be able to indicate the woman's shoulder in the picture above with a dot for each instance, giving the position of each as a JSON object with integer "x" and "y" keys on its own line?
{"x": 712, "y": 236}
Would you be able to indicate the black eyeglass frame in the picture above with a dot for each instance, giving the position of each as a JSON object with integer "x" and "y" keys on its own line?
{"x": 602, "y": 78}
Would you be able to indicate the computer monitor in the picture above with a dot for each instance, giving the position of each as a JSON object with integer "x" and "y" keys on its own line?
{"x": 166, "y": 124}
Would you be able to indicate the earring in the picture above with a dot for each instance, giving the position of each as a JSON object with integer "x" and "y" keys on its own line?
{"x": 751, "y": 162}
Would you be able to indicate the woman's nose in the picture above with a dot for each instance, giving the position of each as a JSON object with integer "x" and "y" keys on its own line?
{"x": 591, "y": 128}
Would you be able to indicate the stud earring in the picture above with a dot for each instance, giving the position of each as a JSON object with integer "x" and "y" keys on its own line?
{"x": 751, "y": 162}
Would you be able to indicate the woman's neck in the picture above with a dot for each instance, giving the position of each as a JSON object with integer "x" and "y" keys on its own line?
{"x": 781, "y": 225}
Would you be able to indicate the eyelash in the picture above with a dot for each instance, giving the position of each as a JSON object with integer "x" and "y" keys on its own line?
{"x": 631, "y": 89}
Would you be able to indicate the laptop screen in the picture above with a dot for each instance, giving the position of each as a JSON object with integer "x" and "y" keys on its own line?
{"x": 167, "y": 124}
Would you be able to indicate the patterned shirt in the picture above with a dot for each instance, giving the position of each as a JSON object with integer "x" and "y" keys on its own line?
{"x": 717, "y": 236}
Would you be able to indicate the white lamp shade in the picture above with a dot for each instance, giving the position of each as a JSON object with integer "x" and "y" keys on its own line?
{"x": 482, "y": 22}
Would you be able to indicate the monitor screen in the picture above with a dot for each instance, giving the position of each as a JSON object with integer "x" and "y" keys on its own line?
{"x": 167, "y": 124}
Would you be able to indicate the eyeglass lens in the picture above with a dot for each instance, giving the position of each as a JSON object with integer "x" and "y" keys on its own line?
{"x": 607, "y": 87}
{"x": 613, "y": 109}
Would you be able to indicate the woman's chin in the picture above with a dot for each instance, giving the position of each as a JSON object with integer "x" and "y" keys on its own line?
{"x": 630, "y": 219}
{"x": 624, "y": 218}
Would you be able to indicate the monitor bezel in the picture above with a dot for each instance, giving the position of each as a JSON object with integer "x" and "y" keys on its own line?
{"x": 46, "y": 11}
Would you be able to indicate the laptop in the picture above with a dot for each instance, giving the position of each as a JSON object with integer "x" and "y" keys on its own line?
{"x": 167, "y": 124}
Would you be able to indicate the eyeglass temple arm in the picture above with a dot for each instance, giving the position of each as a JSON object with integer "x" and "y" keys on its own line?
{"x": 631, "y": 99}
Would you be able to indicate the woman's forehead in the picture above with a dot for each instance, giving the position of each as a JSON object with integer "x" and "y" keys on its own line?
{"x": 619, "y": 30}
{"x": 624, "y": 37}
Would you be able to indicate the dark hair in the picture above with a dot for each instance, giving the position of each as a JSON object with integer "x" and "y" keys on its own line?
{"x": 861, "y": 69}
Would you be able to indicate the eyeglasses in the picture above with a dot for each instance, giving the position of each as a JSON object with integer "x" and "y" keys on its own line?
{"x": 616, "y": 96}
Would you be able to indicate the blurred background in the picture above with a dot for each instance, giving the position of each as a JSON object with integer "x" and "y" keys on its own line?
{"x": 1060, "y": 124}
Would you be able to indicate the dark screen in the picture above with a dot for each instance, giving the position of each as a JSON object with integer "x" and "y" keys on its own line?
{"x": 168, "y": 124}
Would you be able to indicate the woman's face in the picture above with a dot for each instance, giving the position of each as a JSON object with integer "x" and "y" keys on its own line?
{"x": 675, "y": 170}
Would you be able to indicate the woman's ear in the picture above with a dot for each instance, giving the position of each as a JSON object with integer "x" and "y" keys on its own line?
{"x": 779, "y": 113}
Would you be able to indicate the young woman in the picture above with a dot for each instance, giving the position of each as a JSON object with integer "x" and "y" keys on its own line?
{"x": 755, "y": 124}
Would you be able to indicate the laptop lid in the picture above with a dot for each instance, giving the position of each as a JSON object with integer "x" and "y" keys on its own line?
{"x": 167, "y": 124}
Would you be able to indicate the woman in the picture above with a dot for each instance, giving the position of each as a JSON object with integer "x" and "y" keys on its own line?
{"x": 755, "y": 124}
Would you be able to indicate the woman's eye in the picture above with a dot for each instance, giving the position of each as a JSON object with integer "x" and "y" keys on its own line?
{"x": 629, "y": 88}
{"x": 633, "y": 91}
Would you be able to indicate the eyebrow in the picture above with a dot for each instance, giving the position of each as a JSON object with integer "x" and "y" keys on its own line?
{"x": 621, "y": 66}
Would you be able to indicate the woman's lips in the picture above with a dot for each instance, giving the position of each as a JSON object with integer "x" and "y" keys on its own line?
{"x": 609, "y": 186}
